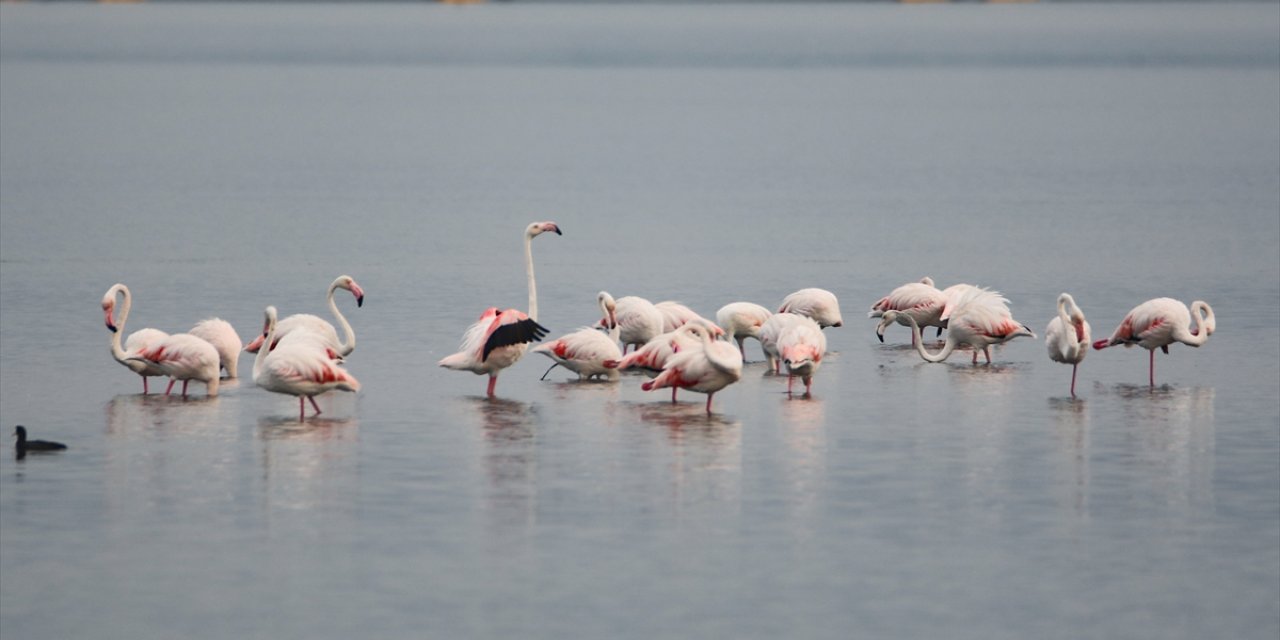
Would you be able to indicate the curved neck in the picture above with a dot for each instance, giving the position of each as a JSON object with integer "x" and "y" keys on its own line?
{"x": 1202, "y": 315}
{"x": 270, "y": 332}
{"x": 722, "y": 364}
{"x": 615, "y": 332}
{"x": 348, "y": 343}
{"x": 528, "y": 270}
{"x": 924, "y": 353}
{"x": 117, "y": 351}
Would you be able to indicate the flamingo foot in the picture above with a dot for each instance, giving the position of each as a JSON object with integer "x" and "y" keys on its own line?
{"x": 184, "y": 389}
{"x": 313, "y": 404}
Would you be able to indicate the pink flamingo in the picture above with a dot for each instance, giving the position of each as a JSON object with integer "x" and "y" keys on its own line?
{"x": 1067, "y": 336}
{"x": 653, "y": 356}
{"x": 771, "y": 331}
{"x": 320, "y": 326}
{"x": 499, "y": 338}
{"x": 802, "y": 345}
{"x": 676, "y": 315}
{"x": 138, "y": 340}
{"x": 637, "y": 319}
{"x": 1159, "y": 323}
{"x": 706, "y": 369}
{"x": 184, "y": 357}
{"x": 819, "y": 304}
{"x": 742, "y": 320}
{"x": 299, "y": 365}
{"x": 979, "y": 319}
{"x": 585, "y": 351}
{"x": 920, "y": 300}
{"x": 223, "y": 337}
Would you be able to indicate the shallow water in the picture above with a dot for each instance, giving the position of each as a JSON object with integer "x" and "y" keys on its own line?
{"x": 219, "y": 158}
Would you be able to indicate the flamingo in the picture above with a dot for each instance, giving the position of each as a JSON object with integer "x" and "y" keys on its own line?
{"x": 305, "y": 321}
{"x": 638, "y": 320}
{"x": 1159, "y": 323}
{"x": 223, "y": 337}
{"x": 299, "y": 365}
{"x": 920, "y": 300}
{"x": 980, "y": 318}
{"x": 1067, "y": 336}
{"x": 653, "y": 356}
{"x": 819, "y": 304}
{"x": 676, "y": 315}
{"x": 138, "y": 340}
{"x": 742, "y": 320}
{"x": 705, "y": 369}
{"x": 953, "y": 294}
{"x": 586, "y": 350}
{"x": 499, "y": 338}
{"x": 184, "y": 357}
{"x": 770, "y": 331}
{"x": 802, "y": 345}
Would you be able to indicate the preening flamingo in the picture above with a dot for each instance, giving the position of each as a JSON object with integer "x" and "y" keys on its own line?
{"x": 742, "y": 320}
{"x": 320, "y": 326}
{"x": 653, "y": 356}
{"x": 500, "y": 338}
{"x": 706, "y": 369}
{"x": 1067, "y": 336}
{"x": 920, "y": 300}
{"x": 979, "y": 319}
{"x": 138, "y": 340}
{"x": 1161, "y": 322}
{"x": 223, "y": 337}
{"x": 819, "y": 304}
{"x": 299, "y": 365}
{"x": 771, "y": 330}
{"x": 586, "y": 350}
{"x": 802, "y": 345}
{"x": 638, "y": 320}
{"x": 676, "y": 315}
{"x": 184, "y": 357}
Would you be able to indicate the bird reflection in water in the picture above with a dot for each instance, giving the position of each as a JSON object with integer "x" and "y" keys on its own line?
{"x": 129, "y": 414}
{"x": 1070, "y": 417}
{"x": 308, "y": 464}
{"x": 511, "y": 464}
{"x": 705, "y": 467}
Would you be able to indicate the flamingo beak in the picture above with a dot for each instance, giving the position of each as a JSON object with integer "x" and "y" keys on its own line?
{"x": 358, "y": 293}
{"x": 110, "y": 323}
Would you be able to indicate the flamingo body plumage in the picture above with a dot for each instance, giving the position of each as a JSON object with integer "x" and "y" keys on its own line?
{"x": 801, "y": 346}
{"x": 920, "y": 300}
{"x": 980, "y": 318}
{"x": 1067, "y": 336}
{"x": 676, "y": 315}
{"x": 638, "y": 319}
{"x": 225, "y": 340}
{"x": 1160, "y": 322}
{"x": 819, "y": 304}
{"x": 185, "y": 357}
{"x": 707, "y": 368}
{"x": 299, "y": 365}
{"x": 771, "y": 331}
{"x": 742, "y": 320}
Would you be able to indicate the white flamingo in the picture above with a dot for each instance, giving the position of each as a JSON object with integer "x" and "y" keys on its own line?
{"x": 801, "y": 346}
{"x": 742, "y": 320}
{"x": 706, "y": 369}
{"x": 1161, "y": 322}
{"x": 819, "y": 304}
{"x": 1067, "y": 336}
{"x": 771, "y": 330}
{"x": 920, "y": 300}
{"x": 299, "y": 365}
{"x": 138, "y": 340}
{"x": 586, "y": 350}
{"x": 638, "y": 320}
{"x": 499, "y": 338}
{"x": 653, "y": 356}
{"x": 676, "y": 315}
{"x": 184, "y": 357}
{"x": 979, "y": 319}
{"x": 320, "y": 326}
{"x": 223, "y": 337}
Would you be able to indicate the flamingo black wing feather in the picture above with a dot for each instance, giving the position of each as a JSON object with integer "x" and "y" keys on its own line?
{"x": 519, "y": 332}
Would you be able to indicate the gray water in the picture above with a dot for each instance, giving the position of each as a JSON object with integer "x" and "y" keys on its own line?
{"x": 220, "y": 158}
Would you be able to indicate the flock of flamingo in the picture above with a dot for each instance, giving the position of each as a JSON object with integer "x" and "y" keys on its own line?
{"x": 302, "y": 355}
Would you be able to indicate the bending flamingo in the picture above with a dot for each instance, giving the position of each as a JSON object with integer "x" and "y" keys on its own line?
{"x": 819, "y": 304}
{"x": 1067, "y": 336}
{"x": 1161, "y": 322}
{"x": 653, "y": 356}
{"x": 979, "y": 319}
{"x": 742, "y": 320}
{"x": 771, "y": 330}
{"x": 299, "y": 365}
{"x": 676, "y": 315}
{"x": 223, "y": 337}
{"x": 802, "y": 345}
{"x": 586, "y": 350}
{"x": 706, "y": 369}
{"x": 138, "y": 340}
{"x": 184, "y": 357}
{"x": 638, "y": 320}
{"x": 500, "y": 338}
{"x": 320, "y": 326}
{"x": 920, "y": 300}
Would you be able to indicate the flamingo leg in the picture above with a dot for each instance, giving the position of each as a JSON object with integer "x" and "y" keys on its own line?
{"x": 673, "y": 394}
{"x": 302, "y": 410}
{"x": 742, "y": 349}
{"x": 313, "y": 404}
{"x": 709, "y": 396}
{"x": 1152, "y": 369}
{"x": 170, "y": 387}
{"x": 145, "y": 391}
{"x": 790, "y": 381}
{"x": 184, "y": 388}
{"x": 986, "y": 351}
{"x": 975, "y": 356}
{"x": 493, "y": 382}
{"x": 1073, "y": 379}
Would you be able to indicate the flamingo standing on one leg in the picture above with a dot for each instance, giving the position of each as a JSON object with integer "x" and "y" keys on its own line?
{"x": 315, "y": 324}
{"x": 184, "y": 357}
{"x": 979, "y": 319}
{"x": 223, "y": 337}
{"x": 138, "y": 340}
{"x": 708, "y": 369}
{"x": 802, "y": 345}
{"x": 500, "y": 338}
{"x": 742, "y": 320}
{"x": 299, "y": 365}
{"x": 638, "y": 320}
{"x": 819, "y": 304}
{"x": 1067, "y": 336}
{"x": 920, "y": 300}
{"x": 587, "y": 350}
{"x": 1159, "y": 323}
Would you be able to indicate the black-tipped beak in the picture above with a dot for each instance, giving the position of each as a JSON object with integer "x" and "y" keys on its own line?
{"x": 360, "y": 301}
{"x": 881, "y": 336}
{"x": 558, "y": 231}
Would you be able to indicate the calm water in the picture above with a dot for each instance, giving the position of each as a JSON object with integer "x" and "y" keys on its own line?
{"x": 219, "y": 158}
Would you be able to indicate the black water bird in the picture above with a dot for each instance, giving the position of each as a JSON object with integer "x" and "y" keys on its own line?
{"x": 23, "y": 445}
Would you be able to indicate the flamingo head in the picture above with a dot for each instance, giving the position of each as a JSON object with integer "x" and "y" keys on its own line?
{"x": 253, "y": 347}
{"x": 108, "y": 309}
{"x": 491, "y": 312}
{"x": 801, "y": 356}
{"x": 610, "y": 309}
{"x": 349, "y": 283}
{"x": 926, "y": 281}
{"x": 889, "y": 317}
{"x": 694, "y": 330}
{"x": 268, "y": 322}
{"x": 539, "y": 228}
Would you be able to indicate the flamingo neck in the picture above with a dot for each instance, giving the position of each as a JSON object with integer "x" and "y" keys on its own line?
{"x": 1202, "y": 315}
{"x": 348, "y": 343}
{"x": 724, "y": 365}
{"x": 528, "y": 270}
{"x": 117, "y": 351}
{"x": 266, "y": 344}
{"x": 924, "y": 353}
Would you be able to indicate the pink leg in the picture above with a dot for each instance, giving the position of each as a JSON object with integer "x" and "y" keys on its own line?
{"x": 1073, "y": 379}
{"x": 145, "y": 391}
{"x": 808, "y": 387}
{"x": 170, "y": 387}
{"x": 313, "y": 404}
{"x": 493, "y": 382}
{"x": 709, "y": 396}
{"x": 1152, "y": 369}
{"x": 986, "y": 351}
{"x": 975, "y": 356}
{"x": 302, "y": 410}
{"x": 673, "y": 394}
{"x": 184, "y": 388}
{"x": 790, "y": 380}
